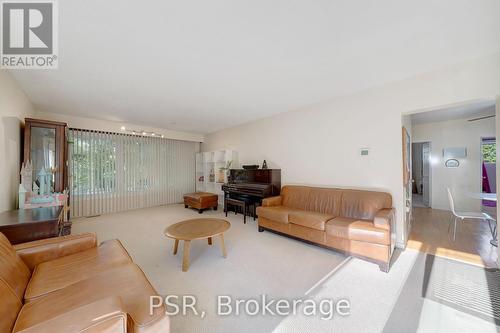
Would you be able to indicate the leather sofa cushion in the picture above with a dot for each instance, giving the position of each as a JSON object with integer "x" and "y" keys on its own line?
{"x": 363, "y": 204}
{"x": 355, "y": 229}
{"x": 126, "y": 281}
{"x": 272, "y": 201}
{"x": 13, "y": 271}
{"x": 275, "y": 213}
{"x": 59, "y": 273}
{"x": 10, "y": 305}
{"x": 316, "y": 199}
{"x": 36, "y": 252}
{"x": 104, "y": 316}
{"x": 384, "y": 218}
{"x": 309, "y": 219}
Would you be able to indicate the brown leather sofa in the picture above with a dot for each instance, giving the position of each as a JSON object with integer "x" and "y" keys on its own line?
{"x": 358, "y": 223}
{"x": 70, "y": 284}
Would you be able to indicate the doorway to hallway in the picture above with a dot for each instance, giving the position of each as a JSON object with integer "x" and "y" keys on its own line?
{"x": 421, "y": 174}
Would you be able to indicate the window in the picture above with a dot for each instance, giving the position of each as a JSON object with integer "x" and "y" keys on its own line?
{"x": 93, "y": 164}
{"x": 111, "y": 172}
{"x": 489, "y": 149}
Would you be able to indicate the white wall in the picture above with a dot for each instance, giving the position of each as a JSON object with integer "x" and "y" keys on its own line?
{"x": 320, "y": 145}
{"x": 464, "y": 181}
{"x": 14, "y": 107}
{"x": 111, "y": 126}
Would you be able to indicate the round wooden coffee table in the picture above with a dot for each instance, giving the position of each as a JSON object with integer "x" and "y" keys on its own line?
{"x": 197, "y": 229}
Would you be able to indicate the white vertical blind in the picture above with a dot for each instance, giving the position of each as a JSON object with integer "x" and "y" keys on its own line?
{"x": 110, "y": 172}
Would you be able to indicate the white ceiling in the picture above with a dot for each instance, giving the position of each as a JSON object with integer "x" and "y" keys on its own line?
{"x": 206, "y": 65}
{"x": 467, "y": 111}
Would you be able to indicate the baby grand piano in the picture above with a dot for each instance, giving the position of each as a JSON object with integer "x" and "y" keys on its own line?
{"x": 253, "y": 185}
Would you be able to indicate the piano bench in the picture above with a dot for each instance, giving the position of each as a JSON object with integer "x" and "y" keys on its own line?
{"x": 201, "y": 201}
{"x": 243, "y": 204}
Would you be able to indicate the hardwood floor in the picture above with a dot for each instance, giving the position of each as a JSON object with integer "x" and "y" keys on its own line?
{"x": 429, "y": 233}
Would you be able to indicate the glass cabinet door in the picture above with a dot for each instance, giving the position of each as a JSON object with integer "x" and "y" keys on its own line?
{"x": 43, "y": 155}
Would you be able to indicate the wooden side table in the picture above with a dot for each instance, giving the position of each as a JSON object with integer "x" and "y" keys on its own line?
{"x": 26, "y": 225}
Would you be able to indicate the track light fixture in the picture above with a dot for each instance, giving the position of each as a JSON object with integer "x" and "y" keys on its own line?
{"x": 143, "y": 133}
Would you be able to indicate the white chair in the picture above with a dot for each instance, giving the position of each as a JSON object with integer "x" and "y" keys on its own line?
{"x": 472, "y": 216}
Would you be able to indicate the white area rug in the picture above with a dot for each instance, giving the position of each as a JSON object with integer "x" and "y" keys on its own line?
{"x": 257, "y": 263}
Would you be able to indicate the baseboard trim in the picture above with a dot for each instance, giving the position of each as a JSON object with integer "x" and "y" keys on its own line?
{"x": 400, "y": 245}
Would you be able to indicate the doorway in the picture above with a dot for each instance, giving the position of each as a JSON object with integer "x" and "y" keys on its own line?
{"x": 488, "y": 173}
{"x": 462, "y": 143}
{"x": 421, "y": 172}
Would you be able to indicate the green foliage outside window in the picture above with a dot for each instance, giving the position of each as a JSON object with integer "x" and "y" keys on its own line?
{"x": 101, "y": 165}
{"x": 490, "y": 153}
{"x": 93, "y": 165}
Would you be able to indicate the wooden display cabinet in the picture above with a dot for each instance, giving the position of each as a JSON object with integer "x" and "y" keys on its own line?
{"x": 45, "y": 145}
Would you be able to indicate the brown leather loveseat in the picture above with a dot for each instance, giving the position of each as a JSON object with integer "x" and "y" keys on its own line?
{"x": 355, "y": 222}
{"x": 70, "y": 284}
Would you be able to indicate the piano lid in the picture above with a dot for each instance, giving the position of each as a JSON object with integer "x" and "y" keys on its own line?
{"x": 259, "y": 176}
{"x": 252, "y": 189}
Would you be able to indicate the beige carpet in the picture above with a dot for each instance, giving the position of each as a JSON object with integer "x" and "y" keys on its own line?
{"x": 257, "y": 263}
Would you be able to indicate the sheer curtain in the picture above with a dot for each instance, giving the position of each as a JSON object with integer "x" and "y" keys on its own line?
{"x": 110, "y": 172}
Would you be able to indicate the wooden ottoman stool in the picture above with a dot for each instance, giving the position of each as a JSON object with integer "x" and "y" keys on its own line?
{"x": 201, "y": 200}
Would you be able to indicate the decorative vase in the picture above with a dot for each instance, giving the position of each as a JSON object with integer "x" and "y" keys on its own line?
{"x": 221, "y": 176}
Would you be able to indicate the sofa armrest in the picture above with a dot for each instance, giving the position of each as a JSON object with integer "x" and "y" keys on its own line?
{"x": 272, "y": 201}
{"x": 106, "y": 315}
{"x": 36, "y": 252}
{"x": 384, "y": 218}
